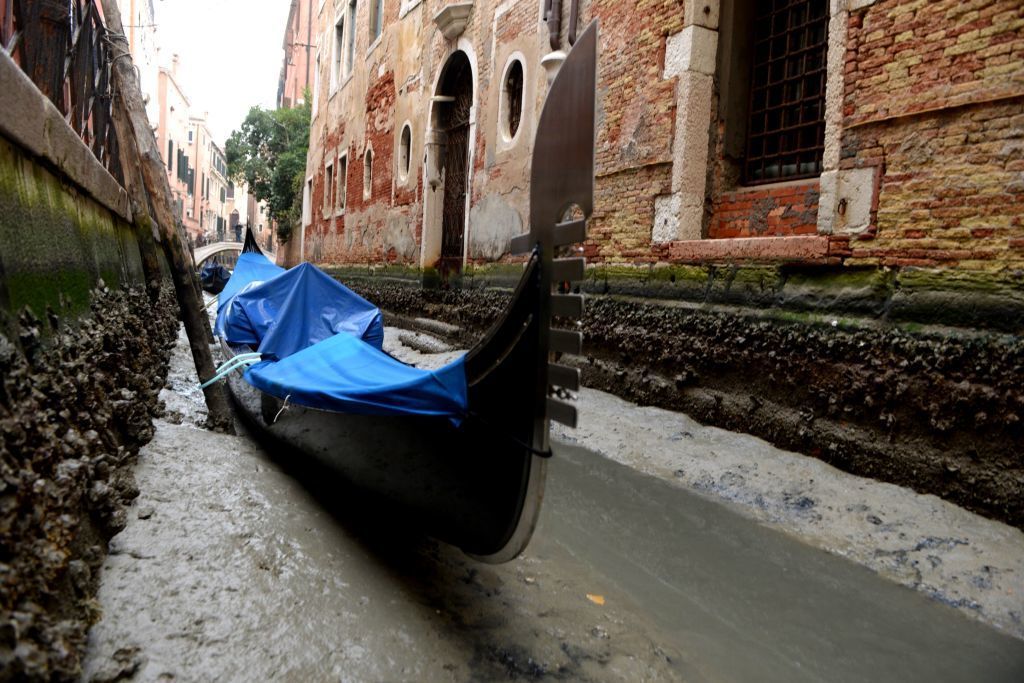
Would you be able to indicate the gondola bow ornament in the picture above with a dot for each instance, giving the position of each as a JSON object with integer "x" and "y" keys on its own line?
{"x": 561, "y": 202}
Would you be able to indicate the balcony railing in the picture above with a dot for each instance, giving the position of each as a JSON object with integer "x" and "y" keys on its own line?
{"x": 60, "y": 45}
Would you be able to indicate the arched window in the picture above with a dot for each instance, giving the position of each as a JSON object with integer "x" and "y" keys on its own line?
{"x": 512, "y": 94}
{"x": 368, "y": 173}
{"x": 405, "y": 152}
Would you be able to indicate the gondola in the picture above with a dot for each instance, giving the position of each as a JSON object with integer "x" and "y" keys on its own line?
{"x": 475, "y": 481}
{"x": 213, "y": 276}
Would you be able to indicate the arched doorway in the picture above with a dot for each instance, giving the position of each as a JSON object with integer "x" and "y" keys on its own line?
{"x": 454, "y": 121}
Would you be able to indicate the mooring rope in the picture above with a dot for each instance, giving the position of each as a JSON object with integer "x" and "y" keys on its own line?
{"x": 243, "y": 359}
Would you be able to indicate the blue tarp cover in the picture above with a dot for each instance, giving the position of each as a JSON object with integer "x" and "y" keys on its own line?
{"x": 249, "y": 268}
{"x": 321, "y": 344}
{"x": 299, "y": 308}
{"x": 348, "y": 375}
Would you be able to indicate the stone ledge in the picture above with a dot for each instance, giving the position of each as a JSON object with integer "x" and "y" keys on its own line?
{"x": 802, "y": 248}
{"x": 30, "y": 120}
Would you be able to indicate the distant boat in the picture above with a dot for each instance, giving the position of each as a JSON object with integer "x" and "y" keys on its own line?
{"x": 213, "y": 276}
{"x": 462, "y": 450}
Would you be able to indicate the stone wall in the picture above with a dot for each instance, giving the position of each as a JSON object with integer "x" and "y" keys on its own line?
{"x": 83, "y": 355}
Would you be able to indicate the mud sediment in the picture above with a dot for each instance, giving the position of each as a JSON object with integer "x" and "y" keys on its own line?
{"x": 936, "y": 409}
{"x": 77, "y": 401}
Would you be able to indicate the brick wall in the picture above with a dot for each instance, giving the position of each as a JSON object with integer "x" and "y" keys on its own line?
{"x": 782, "y": 210}
{"x": 620, "y": 229}
{"x": 908, "y": 56}
{"x": 951, "y": 188}
{"x": 932, "y": 102}
{"x": 636, "y": 107}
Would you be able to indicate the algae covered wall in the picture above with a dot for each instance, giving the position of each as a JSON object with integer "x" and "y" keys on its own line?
{"x": 56, "y": 243}
{"x": 849, "y": 367}
{"x": 83, "y": 356}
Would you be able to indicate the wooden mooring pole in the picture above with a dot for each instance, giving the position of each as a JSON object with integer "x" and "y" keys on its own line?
{"x": 139, "y": 143}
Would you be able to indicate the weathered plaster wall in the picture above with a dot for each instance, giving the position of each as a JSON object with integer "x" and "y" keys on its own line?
{"x": 390, "y": 85}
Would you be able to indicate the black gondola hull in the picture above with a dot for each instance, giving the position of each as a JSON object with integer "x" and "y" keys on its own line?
{"x": 478, "y": 484}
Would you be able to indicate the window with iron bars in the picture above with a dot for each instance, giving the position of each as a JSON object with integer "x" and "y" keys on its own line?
{"x": 786, "y": 124}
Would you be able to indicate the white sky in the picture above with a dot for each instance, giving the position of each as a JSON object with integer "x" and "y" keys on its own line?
{"x": 230, "y": 52}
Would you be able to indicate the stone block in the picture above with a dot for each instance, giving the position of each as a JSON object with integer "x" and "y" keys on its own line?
{"x": 808, "y": 248}
{"x": 692, "y": 49}
{"x": 22, "y": 108}
{"x": 702, "y": 13}
{"x": 690, "y": 149}
{"x": 854, "y": 196}
{"x": 666, "y": 219}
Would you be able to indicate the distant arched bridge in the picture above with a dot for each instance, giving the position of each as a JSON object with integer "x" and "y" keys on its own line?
{"x": 203, "y": 254}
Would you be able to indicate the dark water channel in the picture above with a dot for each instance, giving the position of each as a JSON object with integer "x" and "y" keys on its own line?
{"x": 746, "y": 603}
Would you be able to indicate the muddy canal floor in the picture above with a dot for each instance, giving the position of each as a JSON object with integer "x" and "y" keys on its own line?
{"x": 235, "y": 566}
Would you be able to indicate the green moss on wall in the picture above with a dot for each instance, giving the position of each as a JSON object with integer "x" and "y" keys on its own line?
{"x": 55, "y": 242}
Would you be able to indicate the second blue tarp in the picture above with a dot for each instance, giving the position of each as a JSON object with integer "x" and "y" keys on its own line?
{"x": 321, "y": 344}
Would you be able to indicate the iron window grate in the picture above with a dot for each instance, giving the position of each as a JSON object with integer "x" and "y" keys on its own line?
{"x": 786, "y": 126}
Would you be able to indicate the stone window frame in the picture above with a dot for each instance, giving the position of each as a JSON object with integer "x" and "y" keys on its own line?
{"x": 708, "y": 45}
{"x": 338, "y": 66}
{"x": 368, "y": 172}
{"x": 507, "y": 138}
{"x": 328, "y": 202}
{"x": 407, "y": 6}
{"x": 853, "y": 189}
{"x": 375, "y": 22}
{"x": 307, "y": 201}
{"x": 341, "y": 194}
{"x": 403, "y": 158}
{"x": 315, "y": 106}
{"x": 351, "y": 10}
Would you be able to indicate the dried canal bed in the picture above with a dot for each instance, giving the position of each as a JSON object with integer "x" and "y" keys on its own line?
{"x": 920, "y": 541}
{"x": 230, "y": 570}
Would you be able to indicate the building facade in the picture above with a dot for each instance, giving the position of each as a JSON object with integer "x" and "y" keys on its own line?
{"x": 299, "y": 47}
{"x": 854, "y": 132}
{"x": 207, "y": 216}
{"x": 173, "y": 127}
{"x": 139, "y": 19}
{"x": 243, "y": 211}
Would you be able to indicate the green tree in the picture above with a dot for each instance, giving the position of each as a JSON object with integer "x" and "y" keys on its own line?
{"x": 268, "y": 153}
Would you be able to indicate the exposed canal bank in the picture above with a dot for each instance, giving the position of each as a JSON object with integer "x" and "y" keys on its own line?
{"x": 852, "y": 368}
{"x": 77, "y": 398}
{"x": 230, "y": 569}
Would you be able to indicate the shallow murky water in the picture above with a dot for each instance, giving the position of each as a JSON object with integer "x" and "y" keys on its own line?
{"x": 748, "y": 603}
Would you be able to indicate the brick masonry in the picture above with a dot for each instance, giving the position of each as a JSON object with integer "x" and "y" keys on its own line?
{"x": 785, "y": 210}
